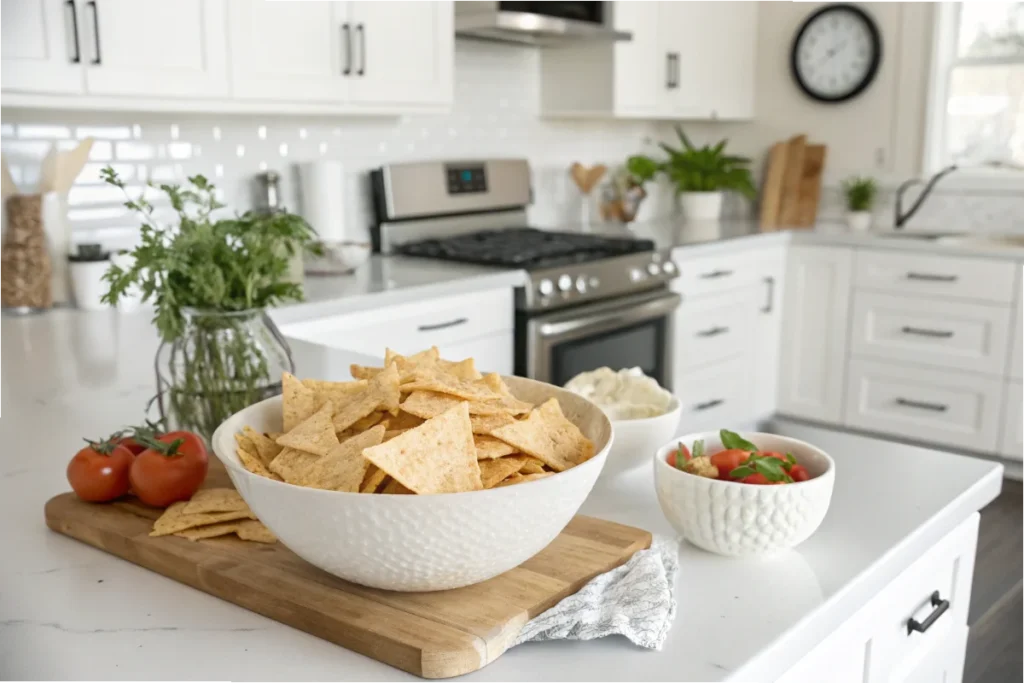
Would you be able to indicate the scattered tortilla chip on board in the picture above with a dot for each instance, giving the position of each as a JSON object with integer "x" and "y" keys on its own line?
{"x": 247, "y": 530}
{"x": 215, "y": 500}
{"x": 548, "y": 436}
{"x": 174, "y": 519}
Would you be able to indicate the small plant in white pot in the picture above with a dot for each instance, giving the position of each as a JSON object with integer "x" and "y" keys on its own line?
{"x": 860, "y": 192}
{"x": 701, "y": 175}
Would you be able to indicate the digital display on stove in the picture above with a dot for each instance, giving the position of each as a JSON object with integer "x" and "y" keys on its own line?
{"x": 466, "y": 179}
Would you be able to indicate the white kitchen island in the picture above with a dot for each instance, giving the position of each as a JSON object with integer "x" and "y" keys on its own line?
{"x": 68, "y": 610}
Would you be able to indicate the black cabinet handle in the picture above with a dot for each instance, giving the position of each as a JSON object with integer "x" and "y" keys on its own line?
{"x": 441, "y": 326}
{"x": 715, "y": 274}
{"x": 70, "y": 4}
{"x": 709, "y": 404}
{"x": 675, "y": 62}
{"x": 668, "y": 70}
{"x": 770, "y": 304}
{"x": 922, "y": 332}
{"x": 940, "y": 606}
{"x": 361, "y": 32}
{"x": 713, "y": 331}
{"x": 95, "y": 29}
{"x": 922, "y": 405}
{"x": 931, "y": 277}
{"x": 346, "y": 36}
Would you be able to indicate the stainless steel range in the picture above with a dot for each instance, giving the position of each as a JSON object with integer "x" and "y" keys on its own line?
{"x": 590, "y": 300}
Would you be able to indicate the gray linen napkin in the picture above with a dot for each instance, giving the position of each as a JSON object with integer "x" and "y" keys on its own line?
{"x": 635, "y": 600}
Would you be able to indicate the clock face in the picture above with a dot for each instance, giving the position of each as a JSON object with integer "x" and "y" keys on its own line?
{"x": 836, "y": 53}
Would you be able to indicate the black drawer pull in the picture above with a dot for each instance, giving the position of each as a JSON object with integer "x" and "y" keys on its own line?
{"x": 713, "y": 332}
{"x": 709, "y": 404}
{"x": 922, "y": 332}
{"x": 70, "y": 4}
{"x": 931, "y": 277}
{"x": 714, "y": 274}
{"x": 770, "y": 281}
{"x": 441, "y": 326}
{"x": 940, "y": 606}
{"x": 936, "y": 407}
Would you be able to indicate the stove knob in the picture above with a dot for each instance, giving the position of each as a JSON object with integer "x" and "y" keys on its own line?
{"x": 581, "y": 284}
{"x": 594, "y": 283}
{"x": 565, "y": 282}
{"x": 546, "y": 287}
{"x": 653, "y": 269}
{"x": 668, "y": 267}
{"x": 635, "y": 275}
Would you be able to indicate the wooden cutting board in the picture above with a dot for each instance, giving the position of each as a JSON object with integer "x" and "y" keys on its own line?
{"x": 809, "y": 194}
{"x": 434, "y": 635}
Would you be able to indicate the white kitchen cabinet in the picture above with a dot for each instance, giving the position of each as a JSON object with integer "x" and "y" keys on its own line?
{"x": 292, "y": 51}
{"x": 815, "y": 313}
{"x": 713, "y": 328}
{"x": 770, "y": 270}
{"x": 691, "y": 60}
{"x": 944, "y": 663}
{"x": 1017, "y": 343}
{"x": 714, "y": 395}
{"x": 1011, "y": 441}
{"x": 155, "y": 48}
{"x": 38, "y": 50}
{"x": 402, "y": 52}
{"x": 940, "y": 276}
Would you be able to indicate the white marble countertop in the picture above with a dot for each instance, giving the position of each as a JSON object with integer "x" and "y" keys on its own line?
{"x": 68, "y": 610}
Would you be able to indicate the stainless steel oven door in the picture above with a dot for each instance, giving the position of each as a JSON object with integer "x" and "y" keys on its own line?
{"x": 634, "y": 331}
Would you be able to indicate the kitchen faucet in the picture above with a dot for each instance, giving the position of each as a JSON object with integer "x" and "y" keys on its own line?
{"x": 902, "y": 218}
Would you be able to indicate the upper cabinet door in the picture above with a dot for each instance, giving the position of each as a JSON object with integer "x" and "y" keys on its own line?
{"x": 39, "y": 52}
{"x": 404, "y": 52}
{"x": 154, "y": 48}
{"x": 642, "y": 68}
{"x": 290, "y": 51}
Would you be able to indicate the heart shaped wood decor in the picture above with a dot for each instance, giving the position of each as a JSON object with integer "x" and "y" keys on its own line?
{"x": 586, "y": 178}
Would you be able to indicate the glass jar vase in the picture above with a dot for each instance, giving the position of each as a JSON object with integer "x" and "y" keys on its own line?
{"x": 221, "y": 363}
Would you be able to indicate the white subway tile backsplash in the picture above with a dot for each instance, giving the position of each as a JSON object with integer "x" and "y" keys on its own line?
{"x": 25, "y": 150}
{"x": 105, "y": 132}
{"x": 101, "y": 151}
{"x": 43, "y": 132}
{"x": 134, "y": 151}
{"x": 179, "y": 150}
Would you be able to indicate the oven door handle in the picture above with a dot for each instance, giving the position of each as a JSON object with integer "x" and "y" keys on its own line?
{"x": 618, "y": 317}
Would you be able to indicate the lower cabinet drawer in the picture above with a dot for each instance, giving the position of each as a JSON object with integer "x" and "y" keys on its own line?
{"x": 1011, "y": 443}
{"x": 713, "y": 328}
{"x": 715, "y": 396}
{"x": 946, "y": 408}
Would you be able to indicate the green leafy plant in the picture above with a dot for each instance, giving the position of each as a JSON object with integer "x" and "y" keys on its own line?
{"x": 697, "y": 169}
{"x": 860, "y": 193}
{"x": 209, "y": 280}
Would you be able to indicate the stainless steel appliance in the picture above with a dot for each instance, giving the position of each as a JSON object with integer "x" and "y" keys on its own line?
{"x": 537, "y": 23}
{"x": 590, "y": 299}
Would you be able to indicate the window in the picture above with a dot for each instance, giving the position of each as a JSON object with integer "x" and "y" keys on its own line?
{"x": 976, "y": 113}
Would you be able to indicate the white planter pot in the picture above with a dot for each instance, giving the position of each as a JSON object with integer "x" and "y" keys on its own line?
{"x": 858, "y": 221}
{"x": 701, "y": 206}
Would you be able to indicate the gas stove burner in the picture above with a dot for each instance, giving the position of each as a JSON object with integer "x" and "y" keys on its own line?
{"x": 528, "y": 248}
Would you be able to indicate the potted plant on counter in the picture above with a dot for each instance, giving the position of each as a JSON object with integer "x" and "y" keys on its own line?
{"x": 211, "y": 281}
{"x": 860, "y": 192}
{"x": 701, "y": 175}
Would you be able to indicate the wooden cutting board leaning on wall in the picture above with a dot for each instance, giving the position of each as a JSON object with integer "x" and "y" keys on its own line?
{"x": 792, "y": 185}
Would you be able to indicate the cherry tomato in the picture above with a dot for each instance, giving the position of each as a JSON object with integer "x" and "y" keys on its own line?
{"x": 728, "y": 460}
{"x": 172, "y": 471}
{"x": 100, "y": 472}
{"x": 671, "y": 459}
{"x": 799, "y": 473}
{"x": 758, "y": 478}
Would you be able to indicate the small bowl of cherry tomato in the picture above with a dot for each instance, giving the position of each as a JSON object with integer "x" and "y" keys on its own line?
{"x": 743, "y": 494}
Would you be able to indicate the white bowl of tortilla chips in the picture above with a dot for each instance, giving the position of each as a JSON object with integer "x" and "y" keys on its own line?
{"x": 501, "y": 465}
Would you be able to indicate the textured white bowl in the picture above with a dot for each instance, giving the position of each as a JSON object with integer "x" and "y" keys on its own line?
{"x": 730, "y": 518}
{"x": 420, "y": 543}
{"x": 636, "y": 439}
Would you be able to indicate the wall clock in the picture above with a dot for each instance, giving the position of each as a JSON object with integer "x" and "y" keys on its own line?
{"x": 836, "y": 53}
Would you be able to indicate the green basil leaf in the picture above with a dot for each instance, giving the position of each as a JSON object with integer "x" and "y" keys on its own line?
{"x": 742, "y": 471}
{"x": 698, "y": 448}
{"x": 680, "y": 458}
{"x": 771, "y": 472}
{"x": 790, "y": 459}
{"x": 734, "y": 440}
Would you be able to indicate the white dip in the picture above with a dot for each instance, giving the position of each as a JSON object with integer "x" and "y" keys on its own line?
{"x": 623, "y": 395}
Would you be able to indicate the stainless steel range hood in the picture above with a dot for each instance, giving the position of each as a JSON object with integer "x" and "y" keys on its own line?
{"x": 488, "y": 21}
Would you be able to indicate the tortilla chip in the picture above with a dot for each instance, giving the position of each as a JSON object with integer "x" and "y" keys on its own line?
{"x": 514, "y": 478}
{"x": 247, "y": 530}
{"x": 437, "y": 457}
{"x": 315, "y": 434}
{"x": 392, "y": 433}
{"x": 274, "y": 436}
{"x": 338, "y": 393}
{"x": 497, "y": 384}
{"x": 174, "y": 519}
{"x": 395, "y": 487}
{"x": 253, "y": 530}
{"x": 364, "y": 423}
{"x": 426, "y": 357}
{"x": 215, "y": 500}
{"x": 485, "y": 424}
{"x": 382, "y": 393}
{"x": 532, "y": 466}
{"x": 244, "y": 442}
{"x": 463, "y": 369}
{"x": 494, "y": 471}
{"x": 266, "y": 447}
{"x": 361, "y": 372}
{"x": 404, "y": 421}
{"x": 373, "y": 479}
{"x": 344, "y": 467}
{"x": 432, "y": 378}
{"x": 292, "y": 464}
{"x": 548, "y": 436}
{"x": 488, "y": 448}
{"x": 298, "y": 401}
{"x": 520, "y": 478}
{"x": 254, "y": 464}
{"x": 427, "y": 404}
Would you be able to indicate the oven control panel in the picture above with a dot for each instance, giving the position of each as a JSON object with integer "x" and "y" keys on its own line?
{"x": 576, "y": 284}
{"x": 466, "y": 179}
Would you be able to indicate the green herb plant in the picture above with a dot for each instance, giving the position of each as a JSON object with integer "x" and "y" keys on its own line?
{"x": 860, "y": 192}
{"x": 210, "y": 280}
{"x": 697, "y": 169}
